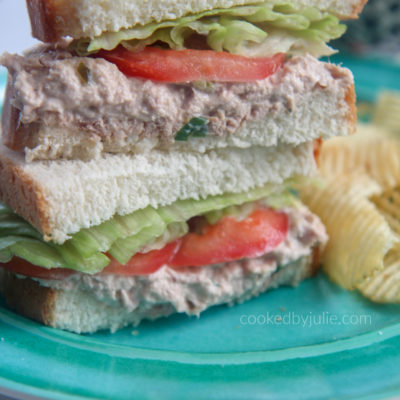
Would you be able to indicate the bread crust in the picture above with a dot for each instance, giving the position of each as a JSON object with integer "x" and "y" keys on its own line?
{"x": 9, "y": 119}
{"x": 350, "y": 99}
{"x": 357, "y": 8}
{"x": 50, "y": 19}
{"x": 28, "y": 298}
{"x": 25, "y": 195}
{"x": 40, "y": 20}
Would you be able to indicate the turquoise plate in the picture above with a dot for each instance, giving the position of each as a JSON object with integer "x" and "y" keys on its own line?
{"x": 315, "y": 341}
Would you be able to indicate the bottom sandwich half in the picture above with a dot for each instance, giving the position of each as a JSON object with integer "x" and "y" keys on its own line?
{"x": 112, "y": 299}
{"x": 86, "y": 247}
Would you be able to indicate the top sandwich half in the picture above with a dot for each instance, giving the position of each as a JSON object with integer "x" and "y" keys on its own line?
{"x": 129, "y": 77}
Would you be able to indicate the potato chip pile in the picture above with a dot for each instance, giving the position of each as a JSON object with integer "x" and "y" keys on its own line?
{"x": 358, "y": 200}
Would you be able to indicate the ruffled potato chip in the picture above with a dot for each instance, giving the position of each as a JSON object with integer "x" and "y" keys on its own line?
{"x": 387, "y": 111}
{"x": 359, "y": 236}
{"x": 372, "y": 151}
{"x": 359, "y": 203}
{"x": 388, "y": 204}
{"x": 384, "y": 285}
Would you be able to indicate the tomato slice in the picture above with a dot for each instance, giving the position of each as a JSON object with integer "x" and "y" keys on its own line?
{"x": 230, "y": 239}
{"x": 139, "y": 264}
{"x": 166, "y": 65}
{"x": 22, "y": 267}
{"x": 143, "y": 263}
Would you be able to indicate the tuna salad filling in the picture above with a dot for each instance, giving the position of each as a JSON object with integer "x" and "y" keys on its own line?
{"x": 64, "y": 106}
{"x": 193, "y": 289}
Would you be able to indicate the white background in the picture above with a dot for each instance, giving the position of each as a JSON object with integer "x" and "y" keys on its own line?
{"x": 15, "y": 31}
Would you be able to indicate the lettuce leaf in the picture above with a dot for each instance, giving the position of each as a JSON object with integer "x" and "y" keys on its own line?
{"x": 286, "y": 198}
{"x": 244, "y": 30}
{"x": 121, "y": 236}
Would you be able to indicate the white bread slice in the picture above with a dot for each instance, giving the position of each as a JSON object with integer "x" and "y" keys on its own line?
{"x": 81, "y": 311}
{"x": 53, "y": 19}
{"x": 61, "y": 197}
{"x": 50, "y": 113}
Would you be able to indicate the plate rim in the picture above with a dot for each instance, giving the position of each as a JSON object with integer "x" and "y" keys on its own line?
{"x": 88, "y": 343}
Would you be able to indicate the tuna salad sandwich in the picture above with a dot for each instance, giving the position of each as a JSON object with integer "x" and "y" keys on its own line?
{"x": 151, "y": 152}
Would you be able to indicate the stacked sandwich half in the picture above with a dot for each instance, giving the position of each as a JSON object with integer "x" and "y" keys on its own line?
{"x": 151, "y": 152}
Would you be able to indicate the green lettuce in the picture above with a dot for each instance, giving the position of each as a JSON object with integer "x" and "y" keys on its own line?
{"x": 255, "y": 30}
{"x": 121, "y": 236}
{"x": 286, "y": 198}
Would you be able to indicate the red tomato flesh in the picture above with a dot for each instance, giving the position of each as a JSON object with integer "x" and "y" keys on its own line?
{"x": 230, "y": 239}
{"x": 22, "y": 267}
{"x": 191, "y": 65}
{"x": 143, "y": 263}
